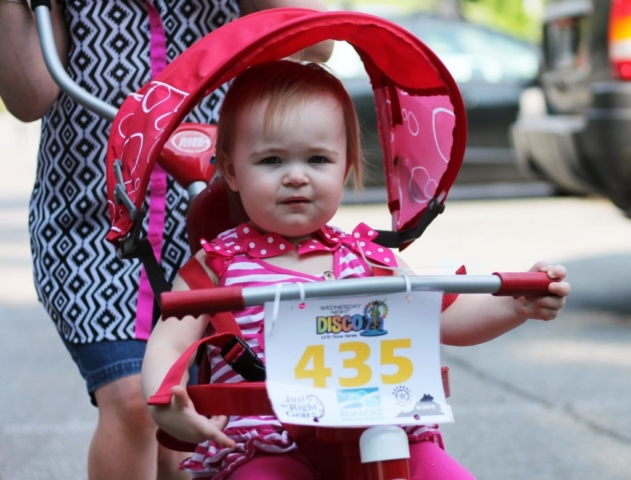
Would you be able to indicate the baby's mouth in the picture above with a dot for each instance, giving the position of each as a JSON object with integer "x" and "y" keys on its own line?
{"x": 295, "y": 201}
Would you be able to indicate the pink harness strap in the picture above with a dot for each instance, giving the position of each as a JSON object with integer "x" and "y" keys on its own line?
{"x": 176, "y": 372}
{"x": 158, "y": 47}
{"x": 157, "y": 204}
{"x": 226, "y": 327}
{"x": 224, "y": 323}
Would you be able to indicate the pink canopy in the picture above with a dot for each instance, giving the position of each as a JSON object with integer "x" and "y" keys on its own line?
{"x": 422, "y": 121}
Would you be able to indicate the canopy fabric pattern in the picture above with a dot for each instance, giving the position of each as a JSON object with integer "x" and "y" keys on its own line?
{"x": 421, "y": 116}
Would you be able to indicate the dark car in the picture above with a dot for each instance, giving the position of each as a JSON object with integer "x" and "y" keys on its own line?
{"x": 491, "y": 70}
{"x": 582, "y": 143}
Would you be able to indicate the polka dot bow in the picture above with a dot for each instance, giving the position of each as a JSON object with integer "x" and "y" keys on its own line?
{"x": 244, "y": 239}
{"x": 360, "y": 241}
{"x": 247, "y": 240}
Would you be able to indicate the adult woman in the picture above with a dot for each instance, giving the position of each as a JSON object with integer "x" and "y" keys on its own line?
{"x": 102, "y": 306}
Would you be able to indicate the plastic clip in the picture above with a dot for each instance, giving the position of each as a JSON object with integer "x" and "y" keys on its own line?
{"x": 120, "y": 193}
{"x": 238, "y": 354}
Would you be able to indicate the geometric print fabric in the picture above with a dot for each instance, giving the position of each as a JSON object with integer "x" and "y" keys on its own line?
{"x": 90, "y": 293}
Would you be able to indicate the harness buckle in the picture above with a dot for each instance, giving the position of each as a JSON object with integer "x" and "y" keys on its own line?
{"x": 238, "y": 354}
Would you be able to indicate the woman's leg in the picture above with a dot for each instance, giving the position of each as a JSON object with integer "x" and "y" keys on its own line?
{"x": 169, "y": 463}
{"x": 124, "y": 444}
{"x": 430, "y": 462}
{"x": 274, "y": 466}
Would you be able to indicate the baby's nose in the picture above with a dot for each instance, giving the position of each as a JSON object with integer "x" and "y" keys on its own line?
{"x": 296, "y": 175}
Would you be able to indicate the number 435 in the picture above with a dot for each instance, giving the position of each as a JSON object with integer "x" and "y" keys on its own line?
{"x": 312, "y": 363}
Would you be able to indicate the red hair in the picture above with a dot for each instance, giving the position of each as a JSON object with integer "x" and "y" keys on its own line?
{"x": 283, "y": 83}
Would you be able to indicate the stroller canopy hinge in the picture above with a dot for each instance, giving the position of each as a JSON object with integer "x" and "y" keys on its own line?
{"x": 390, "y": 239}
{"x": 120, "y": 193}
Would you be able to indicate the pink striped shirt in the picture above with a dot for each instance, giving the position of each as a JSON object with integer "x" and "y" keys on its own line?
{"x": 246, "y": 271}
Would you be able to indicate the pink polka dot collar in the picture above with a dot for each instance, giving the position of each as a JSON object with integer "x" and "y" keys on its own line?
{"x": 245, "y": 239}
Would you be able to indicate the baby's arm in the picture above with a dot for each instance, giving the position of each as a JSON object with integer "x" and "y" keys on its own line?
{"x": 474, "y": 318}
{"x": 167, "y": 342}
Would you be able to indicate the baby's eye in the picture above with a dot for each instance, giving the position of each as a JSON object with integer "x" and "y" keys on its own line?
{"x": 270, "y": 160}
{"x": 317, "y": 159}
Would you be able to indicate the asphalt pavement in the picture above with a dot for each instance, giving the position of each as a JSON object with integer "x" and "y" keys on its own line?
{"x": 546, "y": 401}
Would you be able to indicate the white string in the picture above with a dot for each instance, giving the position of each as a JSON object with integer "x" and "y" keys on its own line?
{"x": 301, "y": 287}
{"x": 279, "y": 287}
{"x": 408, "y": 288}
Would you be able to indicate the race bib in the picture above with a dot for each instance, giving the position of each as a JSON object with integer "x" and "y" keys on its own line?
{"x": 356, "y": 361}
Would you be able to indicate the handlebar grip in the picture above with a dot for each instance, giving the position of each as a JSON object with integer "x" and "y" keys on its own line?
{"x": 522, "y": 284}
{"x": 199, "y": 302}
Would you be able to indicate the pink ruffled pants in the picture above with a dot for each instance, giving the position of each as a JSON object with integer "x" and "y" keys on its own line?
{"x": 427, "y": 462}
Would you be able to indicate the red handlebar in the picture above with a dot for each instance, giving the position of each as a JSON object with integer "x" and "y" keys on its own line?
{"x": 225, "y": 299}
{"x": 520, "y": 284}
{"x": 199, "y": 302}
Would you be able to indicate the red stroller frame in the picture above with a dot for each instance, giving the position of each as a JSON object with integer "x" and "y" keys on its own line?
{"x": 414, "y": 95}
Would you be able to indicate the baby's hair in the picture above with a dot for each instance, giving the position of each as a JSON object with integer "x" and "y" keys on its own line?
{"x": 283, "y": 83}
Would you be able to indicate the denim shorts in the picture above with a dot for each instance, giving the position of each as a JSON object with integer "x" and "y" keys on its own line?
{"x": 104, "y": 362}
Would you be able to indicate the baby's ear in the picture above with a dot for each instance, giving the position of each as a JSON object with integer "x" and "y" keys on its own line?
{"x": 227, "y": 171}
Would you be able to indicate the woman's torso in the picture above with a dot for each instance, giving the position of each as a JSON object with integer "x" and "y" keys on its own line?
{"x": 90, "y": 293}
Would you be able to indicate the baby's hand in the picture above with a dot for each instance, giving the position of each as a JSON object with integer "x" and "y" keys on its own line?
{"x": 546, "y": 307}
{"x": 182, "y": 421}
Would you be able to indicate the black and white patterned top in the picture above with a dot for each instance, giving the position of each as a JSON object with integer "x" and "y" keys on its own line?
{"x": 89, "y": 293}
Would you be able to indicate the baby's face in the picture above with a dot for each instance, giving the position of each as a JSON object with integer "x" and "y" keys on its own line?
{"x": 290, "y": 176}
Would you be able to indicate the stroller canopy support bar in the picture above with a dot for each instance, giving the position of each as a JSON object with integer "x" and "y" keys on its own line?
{"x": 57, "y": 70}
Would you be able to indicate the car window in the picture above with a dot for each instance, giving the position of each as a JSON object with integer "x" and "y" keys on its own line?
{"x": 473, "y": 53}
{"x": 469, "y": 52}
{"x": 565, "y": 43}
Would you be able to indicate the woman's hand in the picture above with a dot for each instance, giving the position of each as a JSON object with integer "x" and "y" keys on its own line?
{"x": 320, "y": 52}
{"x": 546, "y": 307}
{"x": 182, "y": 421}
